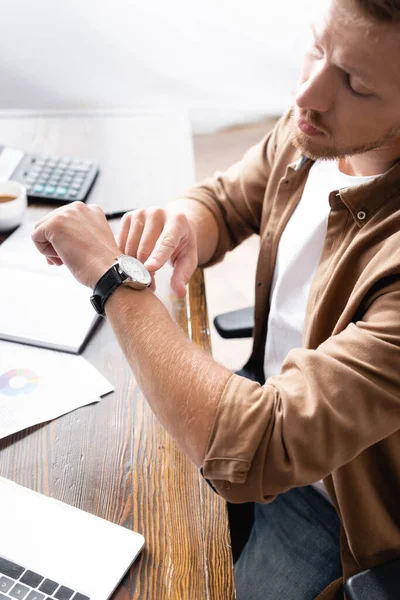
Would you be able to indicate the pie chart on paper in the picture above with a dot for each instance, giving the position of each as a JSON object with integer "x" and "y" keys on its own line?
{"x": 18, "y": 381}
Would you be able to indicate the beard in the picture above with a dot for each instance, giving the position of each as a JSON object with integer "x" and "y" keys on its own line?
{"x": 332, "y": 149}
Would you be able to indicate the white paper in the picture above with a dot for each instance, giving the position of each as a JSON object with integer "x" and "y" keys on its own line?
{"x": 40, "y": 304}
{"x": 19, "y": 252}
{"x": 52, "y": 312}
{"x": 37, "y": 385}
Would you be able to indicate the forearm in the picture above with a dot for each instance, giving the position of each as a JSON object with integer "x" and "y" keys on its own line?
{"x": 204, "y": 224}
{"x": 181, "y": 383}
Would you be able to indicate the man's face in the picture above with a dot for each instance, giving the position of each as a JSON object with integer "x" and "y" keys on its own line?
{"x": 349, "y": 87}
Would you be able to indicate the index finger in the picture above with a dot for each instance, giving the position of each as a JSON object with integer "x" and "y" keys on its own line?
{"x": 166, "y": 245}
{"x": 41, "y": 242}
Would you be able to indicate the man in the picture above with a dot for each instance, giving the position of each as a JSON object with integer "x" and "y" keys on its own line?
{"x": 327, "y": 291}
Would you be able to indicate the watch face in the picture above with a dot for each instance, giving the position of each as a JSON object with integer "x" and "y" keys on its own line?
{"x": 134, "y": 269}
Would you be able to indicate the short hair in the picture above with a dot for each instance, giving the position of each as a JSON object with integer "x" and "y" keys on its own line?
{"x": 387, "y": 11}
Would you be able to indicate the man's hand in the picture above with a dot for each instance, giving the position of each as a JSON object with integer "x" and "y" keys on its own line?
{"x": 80, "y": 237}
{"x": 155, "y": 236}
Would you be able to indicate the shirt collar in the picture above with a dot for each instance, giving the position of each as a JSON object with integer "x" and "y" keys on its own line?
{"x": 363, "y": 200}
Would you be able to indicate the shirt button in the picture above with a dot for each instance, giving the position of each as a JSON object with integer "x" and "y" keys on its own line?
{"x": 361, "y": 215}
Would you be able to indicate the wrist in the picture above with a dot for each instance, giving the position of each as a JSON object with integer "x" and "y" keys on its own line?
{"x": 124, "y": 270}
{"x": 99, "y": 267}
{"x": 126, "y": 298}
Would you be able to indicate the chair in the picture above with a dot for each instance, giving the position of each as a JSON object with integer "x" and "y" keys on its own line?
{"x": 236, "y": 323}
{"x": 378, "y": 583}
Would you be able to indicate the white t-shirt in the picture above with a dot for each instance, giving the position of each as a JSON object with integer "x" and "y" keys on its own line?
{"x": 299, "y": 252}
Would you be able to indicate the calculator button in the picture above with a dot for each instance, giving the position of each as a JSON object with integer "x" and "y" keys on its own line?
{"x": 76, "y": 186}
{"x": 38, "y": 188}
{"x": 49, "y": 189}
{"x": 52, "y": 182}
{"x": 73, "y": 193}
{"x": 31, "y": 179}
{"x": 61, "y": 191}
{"x": 28, "y": 187}
{"x": 40, "y": 162}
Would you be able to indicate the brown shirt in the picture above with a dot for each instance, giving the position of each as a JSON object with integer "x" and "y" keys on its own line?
{"x": 334, "y": 411}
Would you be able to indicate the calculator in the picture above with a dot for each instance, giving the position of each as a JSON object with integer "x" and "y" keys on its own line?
{"x": 48, "y": 178}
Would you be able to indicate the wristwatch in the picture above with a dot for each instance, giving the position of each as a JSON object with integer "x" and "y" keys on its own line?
{"x": 128, "y": 271}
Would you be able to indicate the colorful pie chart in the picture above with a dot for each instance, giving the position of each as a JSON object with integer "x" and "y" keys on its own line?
{"x": 18, "y": 381}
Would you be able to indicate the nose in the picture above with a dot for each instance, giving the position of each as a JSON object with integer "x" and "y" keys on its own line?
{"x": 316, "y": 91}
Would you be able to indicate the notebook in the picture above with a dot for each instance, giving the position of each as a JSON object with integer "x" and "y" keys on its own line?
{"x": 41, "y": 305}
{"x": 50, "y": 550}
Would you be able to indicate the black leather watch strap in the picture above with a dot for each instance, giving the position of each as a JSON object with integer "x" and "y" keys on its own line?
{"x": 106, "y": 285}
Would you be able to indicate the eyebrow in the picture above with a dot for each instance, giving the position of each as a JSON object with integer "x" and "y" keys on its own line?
{"x": 348, "y": 68}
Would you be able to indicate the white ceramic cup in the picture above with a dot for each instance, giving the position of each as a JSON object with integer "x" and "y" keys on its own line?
{"x": 12, "y": 211}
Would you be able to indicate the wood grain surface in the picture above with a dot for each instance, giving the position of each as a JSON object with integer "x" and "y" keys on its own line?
{"x": 115, "y": 460}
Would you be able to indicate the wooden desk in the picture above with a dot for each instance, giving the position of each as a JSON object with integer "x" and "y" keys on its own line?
{"x": 113, "y": 458}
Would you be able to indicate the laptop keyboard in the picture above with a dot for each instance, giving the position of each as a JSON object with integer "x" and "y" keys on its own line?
{"x": 19, "y": 583}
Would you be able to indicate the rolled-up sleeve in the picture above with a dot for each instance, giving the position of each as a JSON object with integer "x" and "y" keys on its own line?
{"x": 323, "y": 410}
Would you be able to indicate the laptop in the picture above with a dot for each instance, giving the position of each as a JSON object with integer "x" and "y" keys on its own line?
{"x": 52, "y": 551}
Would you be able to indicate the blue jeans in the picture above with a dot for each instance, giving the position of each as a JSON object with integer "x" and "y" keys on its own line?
{"x": 293, "y": 551}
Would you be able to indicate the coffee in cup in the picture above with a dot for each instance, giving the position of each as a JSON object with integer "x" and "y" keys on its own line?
{"x": 13, "y": 203}
{"x": 7, "y": 198}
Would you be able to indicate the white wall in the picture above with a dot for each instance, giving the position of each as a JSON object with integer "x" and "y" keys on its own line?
{"x": 227, "y": 61}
